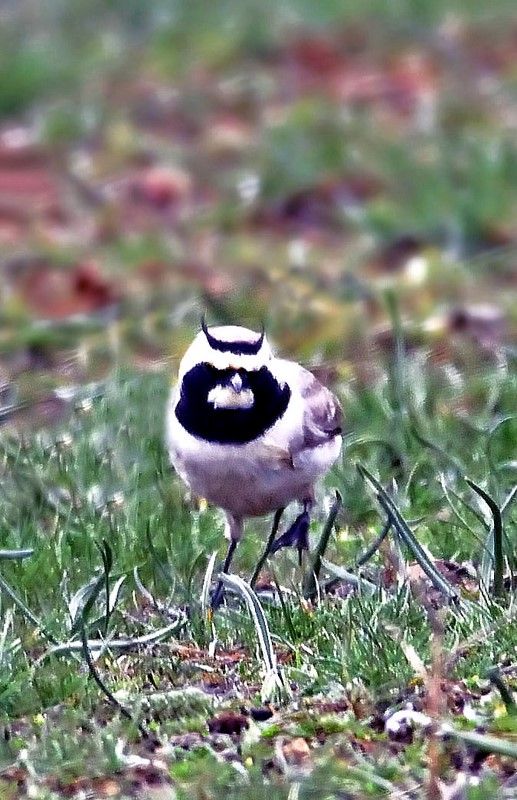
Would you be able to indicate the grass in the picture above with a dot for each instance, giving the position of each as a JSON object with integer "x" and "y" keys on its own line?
{"x": 105, "y": 478}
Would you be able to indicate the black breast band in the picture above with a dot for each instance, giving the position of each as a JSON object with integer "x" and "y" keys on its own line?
{"x": 230, "y": 425}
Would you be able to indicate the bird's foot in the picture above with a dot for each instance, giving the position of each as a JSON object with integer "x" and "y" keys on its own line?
{"x": 296, "y": 535}
{"x": 217, "y": 597}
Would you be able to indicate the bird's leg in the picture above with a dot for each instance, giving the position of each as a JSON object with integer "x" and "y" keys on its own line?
{"x": 297, "y": 534}
{"x": 267, "y": 549}
{"x": 217, "y": 596}
{"x": 234, "y": 532}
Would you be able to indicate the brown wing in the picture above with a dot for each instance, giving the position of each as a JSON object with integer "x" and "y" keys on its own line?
{"x": 323, "y": 418}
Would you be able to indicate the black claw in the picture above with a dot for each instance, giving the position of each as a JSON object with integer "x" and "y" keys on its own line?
{"x": 297, "y": 535}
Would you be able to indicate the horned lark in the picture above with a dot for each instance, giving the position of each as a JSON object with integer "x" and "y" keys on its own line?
{"x": 250, "y": 432}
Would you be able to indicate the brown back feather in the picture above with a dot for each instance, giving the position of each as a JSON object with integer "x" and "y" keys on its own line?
{"x": 323, "y": 418}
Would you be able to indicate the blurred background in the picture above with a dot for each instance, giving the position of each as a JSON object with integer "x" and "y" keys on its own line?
{"x": 344, "y": 171}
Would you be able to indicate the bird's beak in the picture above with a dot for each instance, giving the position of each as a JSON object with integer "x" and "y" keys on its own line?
{"x": 234, "y": 393}
{"x": 236, "y": 383}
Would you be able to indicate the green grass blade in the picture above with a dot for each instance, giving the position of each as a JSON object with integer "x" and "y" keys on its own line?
{"x": 102, "y": 686}
{"x": 163, "y": 570}
{"x": 510, "y": 550}
{"x": 396, "y": 368}
{"x": 497, "y": 538}
{"x": 285, "y": 608}
{"x": 107, "y": 562}
{"x": 372, "y": 549}
{"x": 483, "y": 741}
{"x": 312, "y": 573}
{"x": 495, "y": 678}
{"x": 82, "y": 602}
{"x": 408, "y": 537}
{"x": 495, "y": 468}
{"x": 427, "y": 443}
{"x": 27, "y": 613}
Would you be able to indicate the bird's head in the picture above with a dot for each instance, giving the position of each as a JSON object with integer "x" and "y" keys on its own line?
{"x": 232, "y": 355}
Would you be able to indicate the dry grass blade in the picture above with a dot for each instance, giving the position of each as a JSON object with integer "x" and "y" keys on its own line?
{"x": 98, "y": 645}
{"x": 362, "y": 584}
{"x": 273, "y": 680}
{"x": 142, "y": 589}
{"x": 207, "y": 580}
{"x": 15, "y": 554}
{"x": 245, "y": 591}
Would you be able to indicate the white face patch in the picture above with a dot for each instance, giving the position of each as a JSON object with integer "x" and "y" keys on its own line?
{"x": 227, "y": 397}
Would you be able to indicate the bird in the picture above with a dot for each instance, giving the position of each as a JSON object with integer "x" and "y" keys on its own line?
{"x": 250, "y": 432}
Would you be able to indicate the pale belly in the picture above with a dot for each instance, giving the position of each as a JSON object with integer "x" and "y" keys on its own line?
{"x": 237, "y": 485}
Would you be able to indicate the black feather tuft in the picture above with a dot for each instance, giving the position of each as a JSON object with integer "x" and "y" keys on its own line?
{"x": 238, "y": 348}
